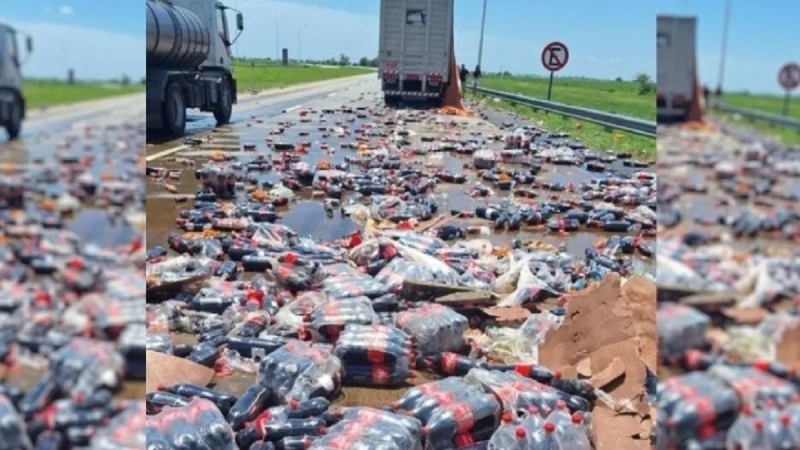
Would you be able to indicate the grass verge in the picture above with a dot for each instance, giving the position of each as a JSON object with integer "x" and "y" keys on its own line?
{"x": 46, "y": 93}
{"x": 771, "y": 104}
{"x": 789, "y": 138}
{"x": 261, "y": 77}
{"x": 619, "y": 97}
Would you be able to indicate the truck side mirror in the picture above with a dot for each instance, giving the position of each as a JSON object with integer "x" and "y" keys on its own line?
{"x": 239, "y": 22}
{"x": 29, "y": 44}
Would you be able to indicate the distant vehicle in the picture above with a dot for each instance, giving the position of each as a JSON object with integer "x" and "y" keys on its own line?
{"x": 12, "y": 99}
{"x": 676, "y": 85}
{"x": 416, "y": 46}
{"x": 189, "y": 62}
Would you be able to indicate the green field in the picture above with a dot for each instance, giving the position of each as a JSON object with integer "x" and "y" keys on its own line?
{"x": 619, "y": 97}
{"x": 260, "y": 77}
{"x": 46, "y": 93}
{"x": 771, "y": 104}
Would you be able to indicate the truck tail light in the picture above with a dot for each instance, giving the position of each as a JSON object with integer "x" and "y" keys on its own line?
{"x": 412, "y": 77}
{"x": 434, "y": 79}
{"x": 390, "y": 77}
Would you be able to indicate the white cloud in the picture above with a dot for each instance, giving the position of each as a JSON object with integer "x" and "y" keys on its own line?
{"x": 93, "y": 54}
{"x": 65, "y": 10}
{"x": 329, "y": 32}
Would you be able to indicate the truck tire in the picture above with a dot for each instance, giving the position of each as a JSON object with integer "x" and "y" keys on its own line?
{"x": 14, "y": 124}
{"x": 174, "y": 112}
{"x": 224, "y": 108}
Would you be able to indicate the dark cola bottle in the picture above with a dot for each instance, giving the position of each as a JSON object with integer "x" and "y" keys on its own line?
{"x": 157, "y": 400}
{"x": 50, "y": 440}
{"x": 575, "y": 387}
{"x": 38, "y": 397}
{"x": 304, "y": 409}
{"x": 223, "y": 402}
{"x": 276, "y": 430}
{"x": 535, "y": 372}
{"x": 474, "y": 413}
{"x": 252, "y": 403}
{"x": 263, "y": 445}
{"x": 448, "y": 363}
{"x": 413, "y": 396}
{"x": 295, "y": 443}
{"x": 250, "y": 346}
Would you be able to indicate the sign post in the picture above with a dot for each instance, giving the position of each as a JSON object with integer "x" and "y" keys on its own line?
{"x": 554, "y": 57}
{"x": 789, "y": 79}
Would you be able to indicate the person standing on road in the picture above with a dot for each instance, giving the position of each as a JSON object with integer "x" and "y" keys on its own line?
{"x": 475, "y": 76}
{"x": 463, "y": 74}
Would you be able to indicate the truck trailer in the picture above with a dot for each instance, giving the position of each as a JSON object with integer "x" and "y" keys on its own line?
{"x": 416, "y": 47}
{"x": 12, "y": 99}
{"x": 676, "y": 83}
{"x": 189, "y": 62}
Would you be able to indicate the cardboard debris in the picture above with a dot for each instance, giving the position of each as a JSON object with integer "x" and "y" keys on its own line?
{"x": 507, "y": 314}
{"x": 620, "y": 352}
{"x": 584, "y": 368}
{"x": 613, "y": 371}
{"x": 788, "y": 351}
{"x": 168, "y": 370}
{"x": 746, "y": 316}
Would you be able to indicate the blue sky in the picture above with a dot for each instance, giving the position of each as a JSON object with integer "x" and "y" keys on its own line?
{"x": 99, "y": 39}
{"x": 763, "y": 35}
{"x": 598, "y": 33}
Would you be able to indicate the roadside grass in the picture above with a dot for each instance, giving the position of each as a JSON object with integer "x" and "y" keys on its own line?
{"x": 789, "y": 138}
{"x": 259, "y": 77}
{"x": 618, "y": 97}
{"x": 772, "y": 104}
{"x": 46, "y": 93}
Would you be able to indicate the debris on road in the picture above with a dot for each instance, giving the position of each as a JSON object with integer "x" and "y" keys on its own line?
{"x": 72, "y": 350}
{"x": 348, "y": 290}
{"x": 728, "y": 317}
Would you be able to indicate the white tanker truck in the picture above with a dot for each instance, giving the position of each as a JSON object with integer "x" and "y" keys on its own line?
{"x": 189, "y": 62}
{"x": 12, "y": 100}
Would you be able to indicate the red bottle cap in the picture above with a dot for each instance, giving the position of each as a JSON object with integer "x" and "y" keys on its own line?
{"x": 506, "y": 417}
{"x": 549, "y": 427}
{"x": 577, "y": 418}
{"x": 520, "y": 433}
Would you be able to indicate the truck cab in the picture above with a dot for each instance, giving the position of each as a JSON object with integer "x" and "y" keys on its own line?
{"x": 12, "y": 101}
{"x": 189, "y": 62}
{"x": 676, "y": 83}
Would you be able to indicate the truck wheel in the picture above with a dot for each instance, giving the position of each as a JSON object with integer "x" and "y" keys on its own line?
{"x": 174, "y": 112}
{"x": 14, "y": 125}
{"x": 224, "y": 108}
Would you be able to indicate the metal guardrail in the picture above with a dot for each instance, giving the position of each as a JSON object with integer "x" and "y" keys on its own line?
{"x": 608, "y": 120}
{"x": 772, "y": 119}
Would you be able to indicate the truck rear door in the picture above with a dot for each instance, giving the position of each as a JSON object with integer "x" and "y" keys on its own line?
{"x": 676, "y": 71}
{"x": 415, "y": 42}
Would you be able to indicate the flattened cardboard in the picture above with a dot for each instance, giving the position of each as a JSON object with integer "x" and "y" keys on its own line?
{"x": 166, "y": 370}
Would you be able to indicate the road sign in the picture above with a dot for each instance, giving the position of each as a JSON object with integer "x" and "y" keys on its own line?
{"x": 789, "y": 76}
{"x": 789, "y": 79}
{"x": 555, "y": 56}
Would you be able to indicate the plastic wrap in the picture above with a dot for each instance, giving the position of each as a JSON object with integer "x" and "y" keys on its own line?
{"x": 199, "y": 422}
{"x": 369, "y": 429}
{"x": 680, "y": 328}
{"x": 12, "y": 428}
{"x": 435, "y": 328}
{"x": 695, "y": 405}
{"x": 125, "y": 431}
{"x": 299, "y": 371}
{"x": 374, "y": 355}
{"x": 329, "y": 319}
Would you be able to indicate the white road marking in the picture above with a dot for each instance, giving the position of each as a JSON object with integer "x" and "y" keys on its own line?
{"x": 171, "y": 151}
{"x": 294, "y": 107}
{"x": 332, "y": 94}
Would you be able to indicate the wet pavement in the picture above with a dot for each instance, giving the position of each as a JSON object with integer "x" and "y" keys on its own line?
{"x": 329, "y": 133}
{"x": 578, "y": 191}
{"x": 728, "y": 285}
{"x": 73, "y": 270}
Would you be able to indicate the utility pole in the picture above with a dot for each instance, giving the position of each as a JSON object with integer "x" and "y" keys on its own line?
{"x": 724, "y": 50}
{"x": 483, "y": 27}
